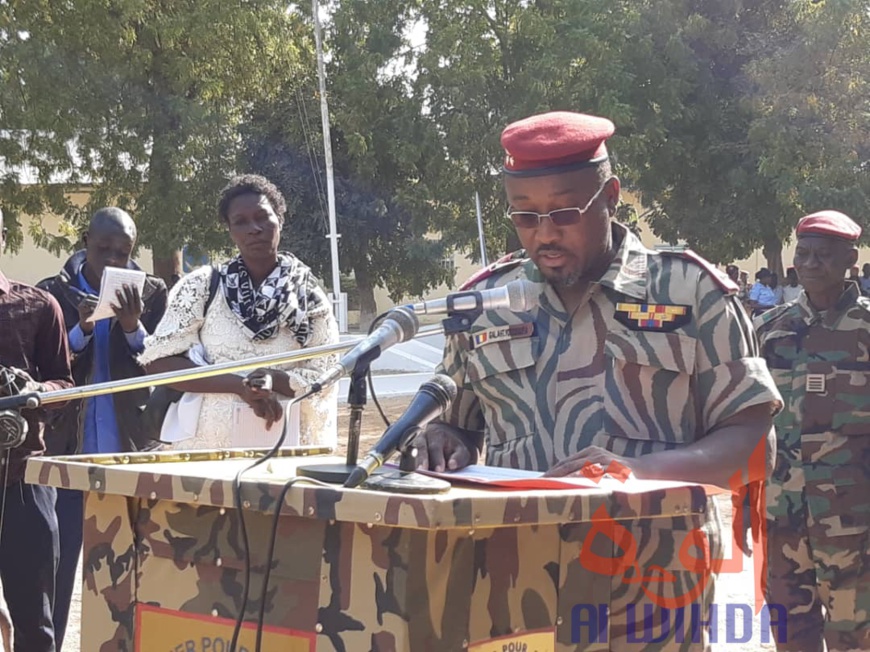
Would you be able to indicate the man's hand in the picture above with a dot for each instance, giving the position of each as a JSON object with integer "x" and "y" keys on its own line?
{"x": 129, "y": 309}
{"x": 257, "y": 392}
{"x": 86, "y": 309}
{"x": 441, "y": 447}
{"x": 583, "y": 464}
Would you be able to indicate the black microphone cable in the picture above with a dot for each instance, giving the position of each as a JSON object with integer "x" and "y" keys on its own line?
{"x": 270, "y": 556}
{"x": 237, "y": 499}
{"x": 369, "y": 378}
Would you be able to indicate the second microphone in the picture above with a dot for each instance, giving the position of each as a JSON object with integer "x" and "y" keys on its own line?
{"x": 430, "y": 401}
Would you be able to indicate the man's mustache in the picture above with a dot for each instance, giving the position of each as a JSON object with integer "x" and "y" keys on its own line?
{"x": 545, "y": 248}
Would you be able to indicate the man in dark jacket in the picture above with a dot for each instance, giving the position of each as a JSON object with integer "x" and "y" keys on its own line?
{"x": 101, "y": 351}
{"x": 34, "y": 356}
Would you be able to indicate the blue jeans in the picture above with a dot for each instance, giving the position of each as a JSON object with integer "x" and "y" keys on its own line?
{"x": 28, "y": 562}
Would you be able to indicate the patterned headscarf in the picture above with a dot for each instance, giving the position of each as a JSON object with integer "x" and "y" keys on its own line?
{"x": 286, "y": 298}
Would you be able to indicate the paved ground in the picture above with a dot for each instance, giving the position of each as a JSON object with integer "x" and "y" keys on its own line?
{"x": 733, "y": 589}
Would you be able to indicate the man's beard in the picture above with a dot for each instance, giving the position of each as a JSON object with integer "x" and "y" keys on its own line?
{"x": 567, "y": 280}
{"x": 563, "y": 279}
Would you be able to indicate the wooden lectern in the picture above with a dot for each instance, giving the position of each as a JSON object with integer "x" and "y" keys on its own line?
{"x": 354, "y": 570}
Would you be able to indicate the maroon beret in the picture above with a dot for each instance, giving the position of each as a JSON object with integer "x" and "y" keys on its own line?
{"x": 830, "y": 224}
{"x": 555, "y": 142}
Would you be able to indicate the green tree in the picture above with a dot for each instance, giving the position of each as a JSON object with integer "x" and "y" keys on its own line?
{"x": 139, "y": 102}
{"x": 691, "y": 158}
{"x": 812, "y": 109}
{"x": 489, "y": 62}
{"x": 748, "y": 114}
{"x": 388, "y": 160}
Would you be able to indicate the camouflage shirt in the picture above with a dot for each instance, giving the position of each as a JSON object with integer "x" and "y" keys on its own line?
{"x": 821, "y": 364}
{"x": 655, "y": 357}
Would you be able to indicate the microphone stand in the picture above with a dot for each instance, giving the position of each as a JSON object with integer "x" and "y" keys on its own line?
{"x": 457, "y": 321}
{"x": 356, "y": 400}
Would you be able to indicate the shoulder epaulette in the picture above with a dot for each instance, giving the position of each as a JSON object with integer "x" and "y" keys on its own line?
{"x": 719, "y": 277}
{"x": 504, "y": 263}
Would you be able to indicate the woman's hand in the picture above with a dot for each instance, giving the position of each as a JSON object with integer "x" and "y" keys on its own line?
{"x": 279, "y": 381}
{"x": 257, "y": 391}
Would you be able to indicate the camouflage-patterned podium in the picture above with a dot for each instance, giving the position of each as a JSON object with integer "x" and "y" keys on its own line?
{"x": 354, "y": 570}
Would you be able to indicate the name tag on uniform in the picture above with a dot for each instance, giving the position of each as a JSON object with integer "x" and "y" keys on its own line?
{"x": 502, "y": 333}
{"x": 652, "y": 316}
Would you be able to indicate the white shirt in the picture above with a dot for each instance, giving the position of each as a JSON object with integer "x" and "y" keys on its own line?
{"x": 790, "y": 293}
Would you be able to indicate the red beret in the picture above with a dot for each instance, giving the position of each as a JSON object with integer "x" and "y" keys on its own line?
{"x": 830, "y": 224}
{"x": 555, "y": 142}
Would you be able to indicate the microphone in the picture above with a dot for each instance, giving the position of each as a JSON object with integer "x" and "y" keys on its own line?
{"x": 400, "y": 325}
{"x": 517, "y": 296}
{"x": 433, "y": 397}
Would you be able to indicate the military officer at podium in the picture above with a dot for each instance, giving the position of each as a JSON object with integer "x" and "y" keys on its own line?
{"x": 632, "y": 356}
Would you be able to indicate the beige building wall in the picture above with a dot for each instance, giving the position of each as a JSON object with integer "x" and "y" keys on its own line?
{"x": 31, "y": 264}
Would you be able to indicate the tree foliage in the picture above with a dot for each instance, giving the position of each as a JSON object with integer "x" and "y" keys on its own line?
{"x": 388, "y": 159}
{"x": 139, "y": 100}
{"x": 733, "y": 117}
{"x": 812, "y": 109}
{"x": 489, "y": 62}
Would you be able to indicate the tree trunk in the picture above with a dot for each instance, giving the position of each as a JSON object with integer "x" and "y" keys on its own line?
{"x": 368, "y": 308}
{"x": 167, "y": 263}
{"x": 772, "y": 251}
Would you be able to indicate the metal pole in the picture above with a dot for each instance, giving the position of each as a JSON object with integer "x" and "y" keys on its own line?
{"x": 480, "y": 230}
{"x": 171, "y": 377}
{"x": 330, "y": 180}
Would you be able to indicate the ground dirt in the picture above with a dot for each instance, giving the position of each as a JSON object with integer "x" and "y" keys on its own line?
{"x": 731, "y": 588}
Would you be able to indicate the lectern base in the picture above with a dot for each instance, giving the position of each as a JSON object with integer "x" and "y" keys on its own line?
{"x": 401, "y": 482}
{"x": 330, "y": 473}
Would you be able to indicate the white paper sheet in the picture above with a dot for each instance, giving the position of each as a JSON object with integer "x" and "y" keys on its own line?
{"x": 114, "y": 279}
{"x": 249, "y": 430}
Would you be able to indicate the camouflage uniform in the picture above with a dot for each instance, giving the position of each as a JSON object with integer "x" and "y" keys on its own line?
{"x": 817, "y": 499}
{"x": 543, "y": 385}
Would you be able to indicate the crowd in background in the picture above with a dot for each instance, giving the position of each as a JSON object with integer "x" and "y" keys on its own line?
{"x": 262, "y": 301}
{"x": 767, "y": 292}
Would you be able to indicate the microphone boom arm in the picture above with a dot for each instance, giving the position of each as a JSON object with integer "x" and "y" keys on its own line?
{"x": 32, "y": 400}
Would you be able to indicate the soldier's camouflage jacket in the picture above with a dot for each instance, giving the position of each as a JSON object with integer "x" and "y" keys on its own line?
{"x": 821, "y": 364}
{"x": 659, "y": 354}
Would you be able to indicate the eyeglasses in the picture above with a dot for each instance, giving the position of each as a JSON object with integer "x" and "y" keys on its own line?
{"x": 559, "y": 217}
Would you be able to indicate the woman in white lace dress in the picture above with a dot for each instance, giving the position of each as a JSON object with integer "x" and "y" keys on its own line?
{"x": 267, "y": 302}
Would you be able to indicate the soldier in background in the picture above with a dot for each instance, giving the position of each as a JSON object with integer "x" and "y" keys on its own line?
{"x": 818, "y": 496}
{"x": 633, "y": 356}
